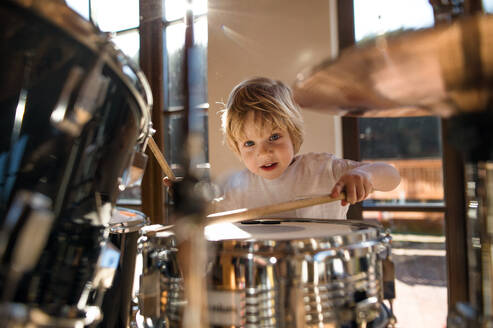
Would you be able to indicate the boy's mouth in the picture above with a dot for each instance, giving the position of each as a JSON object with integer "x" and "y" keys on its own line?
{"x": 268, "y": 167}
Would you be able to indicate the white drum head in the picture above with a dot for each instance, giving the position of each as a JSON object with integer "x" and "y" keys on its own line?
{"x": 283, "y": 229}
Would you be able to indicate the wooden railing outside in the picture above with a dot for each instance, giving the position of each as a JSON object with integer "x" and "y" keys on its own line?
{"x": 421, "y": 180}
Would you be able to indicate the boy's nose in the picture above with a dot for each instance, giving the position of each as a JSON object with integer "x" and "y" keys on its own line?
{"x": 265, "y": 148}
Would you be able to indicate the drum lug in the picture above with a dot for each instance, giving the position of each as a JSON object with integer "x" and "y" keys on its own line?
{"x": 362, "y": 310}
{"x": 92, "y": 90}
{"x": 149, "y": 295}
{"x": 388, "y": 279}
{"x": 103, "y": 277}
{"x": 392, "y": 319}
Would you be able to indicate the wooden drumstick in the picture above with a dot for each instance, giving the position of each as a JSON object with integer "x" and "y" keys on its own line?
{"x": 247, "y": 214}
{"x": 161, "y": 160}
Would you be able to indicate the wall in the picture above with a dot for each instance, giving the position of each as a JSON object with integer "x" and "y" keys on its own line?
{"x": 273, "y": 38}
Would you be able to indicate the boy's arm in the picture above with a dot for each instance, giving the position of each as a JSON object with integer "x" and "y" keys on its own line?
{"x": 360, "y": 181}
{"x": 383, "y": 176}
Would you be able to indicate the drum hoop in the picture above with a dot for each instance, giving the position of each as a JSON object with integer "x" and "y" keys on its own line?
{"x": 125, "y": 227}
{"x": 129, "y": 226}
{"x": 372, "y": 232}
{"x": 60, "y": 15}
{"x": 155, "y": 228}
{"x": 160, "y": 236}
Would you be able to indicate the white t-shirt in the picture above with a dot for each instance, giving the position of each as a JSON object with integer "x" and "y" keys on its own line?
{"x": 310, "y": 175}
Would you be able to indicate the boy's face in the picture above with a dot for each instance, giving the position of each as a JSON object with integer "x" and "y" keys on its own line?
{"x": 265, "y": 152}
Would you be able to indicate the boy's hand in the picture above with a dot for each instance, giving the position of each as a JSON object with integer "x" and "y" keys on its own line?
{"x": 167, "y": 182}
{"x": 357, "y": 185}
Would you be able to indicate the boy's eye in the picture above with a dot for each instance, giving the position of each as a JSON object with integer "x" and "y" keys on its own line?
{"x": 274, "y": 137}
{"x": 248, "y": 143}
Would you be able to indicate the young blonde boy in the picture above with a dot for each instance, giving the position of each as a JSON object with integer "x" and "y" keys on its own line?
{"x": 263, "y": 125}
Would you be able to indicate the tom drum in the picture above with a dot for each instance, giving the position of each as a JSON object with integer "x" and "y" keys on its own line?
{"x": 297, "y": 273}
{"x": 75, "y": 111}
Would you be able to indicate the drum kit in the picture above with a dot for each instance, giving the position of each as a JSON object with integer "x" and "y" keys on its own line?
{"x": 76, "y": 116}
{"x": 446, "y": 71}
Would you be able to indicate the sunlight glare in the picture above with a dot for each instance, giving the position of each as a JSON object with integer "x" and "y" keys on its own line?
{"x": 373, "y": 18}
{"x": 222, "y": 231}
{"x": 107, "y": 19}
{"x": 129, "y": 43}
{"x": 241, "y": 40}
{"x": 176, "y": 9}
{"x": 81, "y": 7}
{"x": 488, "y": 6}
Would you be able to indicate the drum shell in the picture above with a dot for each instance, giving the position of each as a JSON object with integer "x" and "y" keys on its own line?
{"x": 125, "y": 229}
{"x": 297, "y": 282}
{"x": 48, "y": 65}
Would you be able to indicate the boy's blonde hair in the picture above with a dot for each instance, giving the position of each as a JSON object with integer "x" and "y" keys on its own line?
{"x": 272, "y": 104}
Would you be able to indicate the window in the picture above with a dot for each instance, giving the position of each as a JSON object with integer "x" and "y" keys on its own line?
{"x": 174, "y": 34}
{"x": 414, "y": 212}
{"x": 123, "y": 28}
{"x": 412, "y": 144}
{"x": 124, "y": 31}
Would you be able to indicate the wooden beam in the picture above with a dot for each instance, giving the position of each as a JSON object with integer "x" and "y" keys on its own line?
{"x": 151, "y": 62}
{"x": 455, "y": 222}
{"x": 350, "y": 128}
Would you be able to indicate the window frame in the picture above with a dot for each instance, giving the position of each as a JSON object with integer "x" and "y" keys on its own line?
{"x": 153, "y": 62}
{"x": 453, "y": 177}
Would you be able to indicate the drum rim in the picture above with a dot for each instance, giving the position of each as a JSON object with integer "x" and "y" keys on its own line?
{"x": 369, "y": 236}
{"x": 60, "y": 15}
{"x": 129, "y": 226}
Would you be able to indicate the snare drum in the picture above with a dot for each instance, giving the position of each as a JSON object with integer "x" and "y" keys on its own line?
{"x": 75, "y": 110}
{"x": 296, "y": 273}
{"x": 161, "y": 289}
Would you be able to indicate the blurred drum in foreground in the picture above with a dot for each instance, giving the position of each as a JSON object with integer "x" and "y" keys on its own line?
{"x": 75, "y": 112}
{"x": 297, "y": 273}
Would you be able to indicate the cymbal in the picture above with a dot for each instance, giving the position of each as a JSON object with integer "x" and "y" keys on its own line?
{"x": 445, "y": 70}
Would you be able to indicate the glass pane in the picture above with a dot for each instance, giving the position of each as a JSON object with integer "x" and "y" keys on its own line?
{"x": 372, "y": 18}
{"x": 129, "y": 43}
{"x": 400, "y": 138}
{"x": 200, "y": 60}
{"x": 488, "y": 6}
{"x": 199, "y": 7}
{"x": 413, "y": 146}
{"x": 419, "y": 256}
{"x": 115, "y": 15}
{"x": 202, "y": 128}
{"x": 130, "y": 195}
{"x": 174, "y": 141}
{"x": 175, "y": 95}
{"x": 80, "y": 6}
{"x": 175, "y": 40}
{"x": 175, "y": 9}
